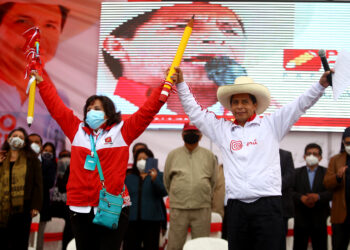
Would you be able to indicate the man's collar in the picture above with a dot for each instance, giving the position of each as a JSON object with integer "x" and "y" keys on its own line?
{"x": 253, "y": 119}
{"x": 311, "y": 171}
{"x": 190, "y": 152}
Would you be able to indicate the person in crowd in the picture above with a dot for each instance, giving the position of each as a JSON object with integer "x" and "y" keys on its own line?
{"x": 20, "y": 190}
{"x": 250, "y": 151}
{"x": 311, "y": 200}
{"x": 219, "y": 203}
{"x": 189, "y": 177}
{"x": 58, "y": 193}
{"x": 104, "y": 127}
{"x": 36, "y": 143}
{"x": 58, "y": 196}
{"x": 48, "y": 168}
{"x": 146, "y": 191}
{"x": 337, "y": 180}
{"x": 137, "y": 146}
{"x": 288, "y": 175}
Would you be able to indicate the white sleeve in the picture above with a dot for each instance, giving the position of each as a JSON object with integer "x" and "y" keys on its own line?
{"x": 204, "y": 120}
{"x": 284, "y": 118}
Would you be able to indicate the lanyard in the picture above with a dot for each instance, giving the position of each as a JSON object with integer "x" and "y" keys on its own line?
{"x": 99, "y": 168}
{"x": 94, "y": 154}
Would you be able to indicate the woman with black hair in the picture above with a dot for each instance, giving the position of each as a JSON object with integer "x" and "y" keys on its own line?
{"x": 49, "y": 169}
{"x": 146, "y": 190}
{"x": 20, "y": 190}
{"x": 103, "y": 129}
{"x": 337, "y": 180}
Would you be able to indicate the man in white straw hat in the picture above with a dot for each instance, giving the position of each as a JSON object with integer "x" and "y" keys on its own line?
{"x": 250, "y": 151}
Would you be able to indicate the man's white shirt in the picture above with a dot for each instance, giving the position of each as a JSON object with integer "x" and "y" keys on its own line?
{"x": 250, "y": 153}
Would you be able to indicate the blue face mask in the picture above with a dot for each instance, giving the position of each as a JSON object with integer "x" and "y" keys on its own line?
{"x": 95, "y": 118}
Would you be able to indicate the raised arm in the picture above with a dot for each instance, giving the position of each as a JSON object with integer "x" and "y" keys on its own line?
{"x": 135, "y": 125}
{"x": 58, "y": 110}
{"x": 205, "y": 121}
{"x": 284, "y": 118}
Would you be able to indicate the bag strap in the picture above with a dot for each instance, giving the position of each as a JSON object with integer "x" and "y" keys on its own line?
{"x": 99, "y": 168}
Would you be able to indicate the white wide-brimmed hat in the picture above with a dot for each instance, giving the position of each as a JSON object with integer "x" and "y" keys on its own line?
{"x": 245, "y": 85}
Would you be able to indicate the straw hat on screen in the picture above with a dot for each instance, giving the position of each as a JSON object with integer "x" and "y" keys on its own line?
{"x": 245, "y": 85}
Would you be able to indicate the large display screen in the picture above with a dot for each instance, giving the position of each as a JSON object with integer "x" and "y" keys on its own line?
{"x": 276, "y": 44}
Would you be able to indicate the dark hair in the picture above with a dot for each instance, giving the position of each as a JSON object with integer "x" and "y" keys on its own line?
{"x": 251, "y": 97}
{"x": 144, "y": 145}
{"x": 346, "y": 133}
{"x": 53, "y": 148}
{"x": 27, "y": 149}
{"x": 5, "y": 7}
{"x": 148, "y": 152}
{"x": 64, "y": 14}
{"x": 64, "y": 153}
{"x": 113, "y": 117}
{"x": 313, "y": 145}
{"x": 35, "y": 134}
{"x": 126, "y": 30}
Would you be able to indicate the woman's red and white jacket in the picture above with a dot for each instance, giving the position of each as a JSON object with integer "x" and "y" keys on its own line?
{"x": 112, "y": 146}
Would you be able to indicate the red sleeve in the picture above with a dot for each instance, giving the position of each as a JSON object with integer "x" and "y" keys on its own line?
{"x": 139, "y": 121}
{"x": 64, "y": 116}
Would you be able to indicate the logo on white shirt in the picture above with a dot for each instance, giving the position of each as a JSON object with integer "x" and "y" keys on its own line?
{"x": 236, "y": 145}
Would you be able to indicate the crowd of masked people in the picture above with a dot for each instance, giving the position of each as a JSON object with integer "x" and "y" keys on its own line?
{"x": 33, "y": 181}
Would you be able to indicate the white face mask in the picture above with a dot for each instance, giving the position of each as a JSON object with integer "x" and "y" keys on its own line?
{"x": 141, "y": 165}
{"x": 311, "y": 160}
{"x": 35, "y": 147}
{"x": 16, "y": 143}
{"x": 347, "y": 149}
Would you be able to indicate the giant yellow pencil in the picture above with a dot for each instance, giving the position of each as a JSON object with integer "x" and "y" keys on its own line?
{"x": 177, "y": 60}
{"x": 31, "y": 101}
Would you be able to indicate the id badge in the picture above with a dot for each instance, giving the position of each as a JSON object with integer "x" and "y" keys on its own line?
{"x": 90, "y": 163}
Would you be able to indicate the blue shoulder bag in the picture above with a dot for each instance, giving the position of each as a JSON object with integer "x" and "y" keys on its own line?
{"x": 109, "y": 206}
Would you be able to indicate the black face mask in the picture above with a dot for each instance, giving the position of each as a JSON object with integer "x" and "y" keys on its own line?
{"x": 191, "y": 138}
{"x": 47, "y": 155}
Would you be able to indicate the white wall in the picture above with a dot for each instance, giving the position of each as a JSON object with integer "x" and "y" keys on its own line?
{"x": 161, "y": 142}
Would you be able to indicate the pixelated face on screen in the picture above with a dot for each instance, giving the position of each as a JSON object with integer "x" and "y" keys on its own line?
{"x": 19, "y": 18}
{"x": 145, "y": 46}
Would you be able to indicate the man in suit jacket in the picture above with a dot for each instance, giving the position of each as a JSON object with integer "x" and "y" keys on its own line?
{"x": 288, "y": 175}
{"x": 337, "y": 180}
{"x": 311, "y": 202}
